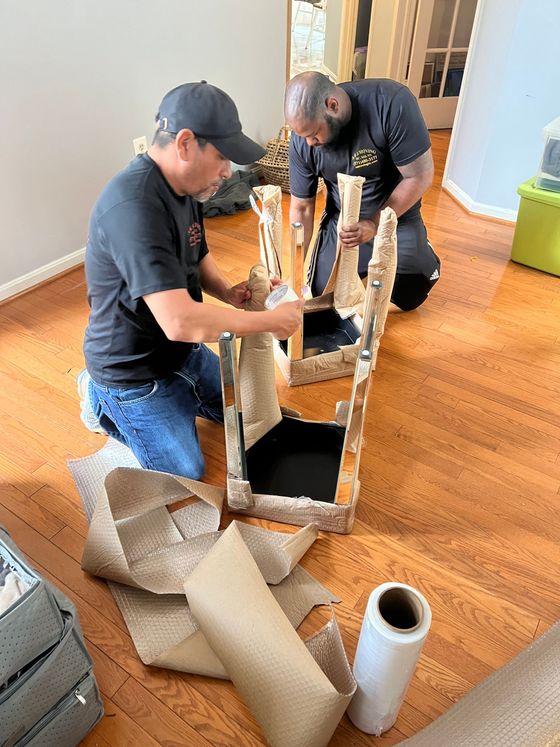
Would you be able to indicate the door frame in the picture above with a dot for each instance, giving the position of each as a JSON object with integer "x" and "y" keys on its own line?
{"x": 348, "y": 24}
{"x": 391, "y": 30}
{"x": 437, "y": 111}
{"x": 390, "y": 35}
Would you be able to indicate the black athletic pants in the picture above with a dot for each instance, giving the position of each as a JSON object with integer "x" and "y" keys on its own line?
{"x": 418, "y": 266}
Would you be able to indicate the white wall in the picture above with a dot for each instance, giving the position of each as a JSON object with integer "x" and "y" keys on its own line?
{"x": 511, "y": 90}
{"x": 81, "y": 78}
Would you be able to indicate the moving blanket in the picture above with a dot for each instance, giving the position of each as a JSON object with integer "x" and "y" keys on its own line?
{"x": 151, "y": 556}
{"x": 516, "y": 706}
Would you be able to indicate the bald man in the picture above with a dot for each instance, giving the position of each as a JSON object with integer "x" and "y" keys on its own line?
{"x": 370, "y": 128}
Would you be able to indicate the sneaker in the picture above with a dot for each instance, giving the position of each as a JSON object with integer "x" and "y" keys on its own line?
{"x": 87, "y": 416}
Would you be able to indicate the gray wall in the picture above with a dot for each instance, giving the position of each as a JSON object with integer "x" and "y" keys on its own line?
{"x": 81, "y": 78}
{"x": 511, "y": 91}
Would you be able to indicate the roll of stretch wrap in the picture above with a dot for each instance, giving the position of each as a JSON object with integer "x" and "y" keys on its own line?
{"x": 281, "y": 294}
{"x": 394, "y": 629}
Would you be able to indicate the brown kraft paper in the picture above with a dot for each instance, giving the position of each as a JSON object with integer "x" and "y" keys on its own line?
{"x": 297, "y": 692}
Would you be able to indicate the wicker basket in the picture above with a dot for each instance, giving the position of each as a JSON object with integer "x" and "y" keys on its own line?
{"x": 275, "y": 164}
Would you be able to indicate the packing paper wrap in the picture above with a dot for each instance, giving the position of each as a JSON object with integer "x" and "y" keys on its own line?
{"x": 382, "y": 266}
{"x": 344, "y": 290}
{"x": 270, "y": 227}
{"x": 272, "y": 668}
{"x": 346, "y": 284}
{"x": 386, "y": 656}
{"x": 257, "y": 381}
{"x": 151, "y": 555}
{"x": 261, "y": 410}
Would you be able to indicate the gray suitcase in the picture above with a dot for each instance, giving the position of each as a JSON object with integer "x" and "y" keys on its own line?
{"x": 48, "y": 695}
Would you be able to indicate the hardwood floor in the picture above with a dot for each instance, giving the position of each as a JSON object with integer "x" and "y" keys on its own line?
{"x": 460, "y": 479}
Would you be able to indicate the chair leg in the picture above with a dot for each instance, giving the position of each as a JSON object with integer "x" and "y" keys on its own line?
{"x": 233, "y": 416}
{"x": 295, "y": 342}
{"x": 350, "y": 459}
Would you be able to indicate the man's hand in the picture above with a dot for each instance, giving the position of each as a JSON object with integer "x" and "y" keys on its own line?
{"x": 238, "y": 295}
{"x": 285, "y": 319}
{"x": 358, "y": 233}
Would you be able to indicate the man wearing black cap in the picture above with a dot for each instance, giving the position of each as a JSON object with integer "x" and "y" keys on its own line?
{"x": 148, "y": 372}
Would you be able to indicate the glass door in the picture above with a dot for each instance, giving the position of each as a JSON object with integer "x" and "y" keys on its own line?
{"x": 438, "y": 55}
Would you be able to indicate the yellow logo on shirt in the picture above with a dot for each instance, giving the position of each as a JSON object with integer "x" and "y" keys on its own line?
{"x": 364, "y": 157}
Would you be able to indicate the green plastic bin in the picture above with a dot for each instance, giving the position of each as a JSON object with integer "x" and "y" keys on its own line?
{"x": 536, "y": 242}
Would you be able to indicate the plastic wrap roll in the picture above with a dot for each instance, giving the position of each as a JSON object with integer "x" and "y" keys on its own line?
{"x": 395, "y": 626}
{"x": 281, "y": 294}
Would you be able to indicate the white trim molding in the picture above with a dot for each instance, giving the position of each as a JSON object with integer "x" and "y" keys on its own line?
{"x": 24, "y": 282}
{"x": 478, "y": 208}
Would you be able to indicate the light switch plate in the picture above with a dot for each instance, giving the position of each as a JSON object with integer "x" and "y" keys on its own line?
{"x": 140, "y": 145}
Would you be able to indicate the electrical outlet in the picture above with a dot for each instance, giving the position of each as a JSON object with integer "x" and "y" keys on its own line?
{"x": 140, "y": 145}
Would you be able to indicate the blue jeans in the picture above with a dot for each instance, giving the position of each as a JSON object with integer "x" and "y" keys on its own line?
{"x": 157, "y": 420}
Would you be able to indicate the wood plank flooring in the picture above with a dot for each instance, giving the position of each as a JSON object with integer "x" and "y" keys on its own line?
{"x": 460, "y": 479}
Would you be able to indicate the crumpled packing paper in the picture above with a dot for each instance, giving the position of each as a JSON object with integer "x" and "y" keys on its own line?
{"x": 197, "y": 600}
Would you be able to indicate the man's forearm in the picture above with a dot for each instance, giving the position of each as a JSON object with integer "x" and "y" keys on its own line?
{"x": 417, "y": 178}
{"x": 406, "y": 194}
{"x": 403, "y": 197}
{"x": 185, "y": 320}
{"x": 208, "y": 322}
{"x": 304, "y": 213}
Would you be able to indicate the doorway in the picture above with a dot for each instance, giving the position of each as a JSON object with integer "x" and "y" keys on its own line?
{"x": 438, "y": 54}
{"x": 421, "y": 43}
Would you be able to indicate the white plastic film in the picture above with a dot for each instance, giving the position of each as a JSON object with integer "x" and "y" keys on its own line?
{"x": 395, "y": 626}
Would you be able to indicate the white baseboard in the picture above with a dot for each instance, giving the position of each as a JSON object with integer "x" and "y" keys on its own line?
{"x": 479, "y": 208}
{"x": 13, "y": 287}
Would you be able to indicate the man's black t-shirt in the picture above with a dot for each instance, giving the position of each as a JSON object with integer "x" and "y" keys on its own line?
{"x": 386, "y": 130}
{"x": 143, "y": 238}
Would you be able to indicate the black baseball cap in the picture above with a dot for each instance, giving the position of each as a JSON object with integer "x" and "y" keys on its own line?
{"x": 211, "y": 114}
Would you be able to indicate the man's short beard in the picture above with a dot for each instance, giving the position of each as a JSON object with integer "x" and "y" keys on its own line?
{"x": 334, "y": 127}
{"x": 203, "y": 197}
{"x": 207, "y": 194}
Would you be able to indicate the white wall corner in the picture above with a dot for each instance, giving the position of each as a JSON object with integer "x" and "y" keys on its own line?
{"x": 478, "y": 208}
{"x": 24, "y": 282}
{"x": 124, "y": 86}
